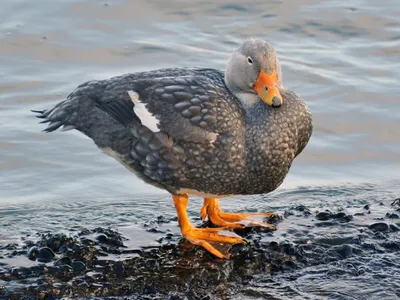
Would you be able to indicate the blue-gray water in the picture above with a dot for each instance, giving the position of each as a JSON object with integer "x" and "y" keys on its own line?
{"x": 342, "y": 57}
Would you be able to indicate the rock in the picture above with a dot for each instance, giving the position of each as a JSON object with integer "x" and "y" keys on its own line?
{"x": 396, "y": 203}
{"x": 323, "y": 216}
{"x": 63, "y": 261}
{"x": 78, "y": 266}
{"x": 63, "y": 272}
{"x": 379, "y": 227}
{"x": 101, "y": 238}
{"x": 33, "y": 253}
{"x": 344, "y": 250}
{"x": 45, "y": 254}
{"x": 392, "y": 216}
{"x": 342, "y": 217}
{"x": 394, "y": 228}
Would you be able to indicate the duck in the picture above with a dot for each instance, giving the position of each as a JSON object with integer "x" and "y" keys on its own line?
{"x": 197, "y": 132}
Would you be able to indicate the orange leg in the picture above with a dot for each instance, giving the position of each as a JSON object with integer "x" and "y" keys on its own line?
{"x": 233, "y": 220}
{"x": 218, "y": 241}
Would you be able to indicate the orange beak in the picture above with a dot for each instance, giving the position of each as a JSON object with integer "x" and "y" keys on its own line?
{"x": 265, "y": 87}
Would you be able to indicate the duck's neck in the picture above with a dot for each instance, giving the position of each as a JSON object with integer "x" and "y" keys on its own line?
{"x": 247, "y": 99}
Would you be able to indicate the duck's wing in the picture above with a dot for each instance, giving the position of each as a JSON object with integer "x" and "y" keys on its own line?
{"x": 192, "y": 108}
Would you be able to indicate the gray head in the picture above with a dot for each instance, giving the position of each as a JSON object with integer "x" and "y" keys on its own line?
{"x": 254, "y": 72}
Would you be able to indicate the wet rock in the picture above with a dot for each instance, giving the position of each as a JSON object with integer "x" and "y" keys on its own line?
{"x": 343, "y": 217}
{"x": 63, "y": 249}
{"x": 379, "y": 227}
{"x": 327, "y": 215}
{"x": 148, "y": 289}
{"x": 45, "y": 254}
{"x": 344, "y": 251}
{"x": 392, "y": 216}
{"x": 394, "y": 228}
{"x": 101, "y": 238}
{"x": 396, "y": 203}
{"x": 161, "y": 219}
{"x": 323, "y": 216}
{"x": 153, "y": 230}
{"x": 55, "y": 241}
{"x": 63, "y": 272}
{"x": 109, "y": 237}
{"x": 391, "y": 245}
{"x": 63, "y": 261}
{"x": 11, "y": 246}
{"x": 33, "y": 253}
{"x": 94, "y": 276}
{"x": 297, "y": 210}
{"x": 78, "y": 266}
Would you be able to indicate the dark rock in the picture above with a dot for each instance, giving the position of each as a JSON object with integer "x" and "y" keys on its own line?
{"x": 379, "y": 227}
{"x": 344, "y": 250}
{"x": 323, "y": 216}
{"x": 148, "y": 289}
{"x": 342, "y": 217}
{"x": 392, "y": 216}
{"x": 101, "y": 238}
{"x": 63, "y": 249}
{"x": 11, "y": 246}
{"x": 55, "y": 241}
{"x": 78, "y": 266}
{"x": 396, "y": 203}
{"x": 394, "y": 228}
{"x": 62, "y": 272}
{"x": 33, "y": 253}
{"x": 63, "y": 261}
{"x": 45, "y": 254}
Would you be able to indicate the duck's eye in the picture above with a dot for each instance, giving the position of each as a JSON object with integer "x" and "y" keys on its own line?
{"x": 249, "y": 60}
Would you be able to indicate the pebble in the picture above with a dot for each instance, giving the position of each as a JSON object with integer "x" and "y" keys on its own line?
{"x": 33, "y": 253}
{"x": 379, "y": 227}
{"x": 394, "y": 228}
{"x": 63, "y": 261}
{"x": 344, "y": 250}
{"x": 323, "y": 216}
{"x": 63, "y": 272}
{"x": 78, "y": 266}
{"x": 101, "y": 238}
{"x": 45, "y": 254}
{"x": 392, "y": 216}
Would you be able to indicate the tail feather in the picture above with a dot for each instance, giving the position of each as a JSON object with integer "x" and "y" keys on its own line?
{"x": 67, "y": 112}
{"x": 63, "y": 114}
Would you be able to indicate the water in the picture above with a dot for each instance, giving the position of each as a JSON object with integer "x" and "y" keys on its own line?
{"x": 342, "y": 57}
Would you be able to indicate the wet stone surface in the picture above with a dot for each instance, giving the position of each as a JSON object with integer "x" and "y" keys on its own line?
{"x": 309, "y": 250}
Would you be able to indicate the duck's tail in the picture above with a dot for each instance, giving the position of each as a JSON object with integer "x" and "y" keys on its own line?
{"x": 71, "y": 112}
{"x": 56, "y": 117}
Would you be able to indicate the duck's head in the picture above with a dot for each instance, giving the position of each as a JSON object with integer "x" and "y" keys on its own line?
{"x": 254, "y": 72}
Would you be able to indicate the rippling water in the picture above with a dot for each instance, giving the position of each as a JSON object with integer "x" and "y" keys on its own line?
{"x": 342, "y": 57}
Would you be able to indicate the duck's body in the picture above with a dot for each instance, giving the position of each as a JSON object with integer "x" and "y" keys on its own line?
{"x": 186, "y": 131}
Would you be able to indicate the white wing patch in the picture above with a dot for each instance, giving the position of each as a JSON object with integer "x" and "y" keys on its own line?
{"x": 146, "y": 118}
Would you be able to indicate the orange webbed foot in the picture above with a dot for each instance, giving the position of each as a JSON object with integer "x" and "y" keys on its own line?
{"x": 212, "y": 209}
{"x": 217, "y": 241}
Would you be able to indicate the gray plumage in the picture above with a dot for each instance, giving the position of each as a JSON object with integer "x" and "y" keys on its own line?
{"x": 209, "y": 139}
